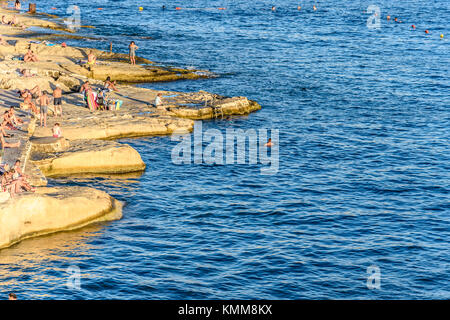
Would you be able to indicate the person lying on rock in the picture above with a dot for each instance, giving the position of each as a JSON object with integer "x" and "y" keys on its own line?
{"x": 6, "y": 144}
{"x": 35, "y": 92}
{"x": 30, "y": 56}
{"x": 26, "y": 73}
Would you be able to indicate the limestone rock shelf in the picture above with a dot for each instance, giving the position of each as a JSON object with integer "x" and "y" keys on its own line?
{"x": 52, "y": 210}
{"x": 85, "y": 156}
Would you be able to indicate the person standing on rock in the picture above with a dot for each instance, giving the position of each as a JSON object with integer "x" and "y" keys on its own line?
{"x": 57, "y": 101}
{"x": 92, "y": 59}
{"x": 44, "y": 101}
{"x": 84, "y": 89}
{"x": 133, "y": 47}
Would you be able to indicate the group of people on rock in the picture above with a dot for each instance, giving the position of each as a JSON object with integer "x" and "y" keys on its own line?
{"x": 43, "y": 100}
{"x": 98, "y": 100}
{"x": 13, "y": 180}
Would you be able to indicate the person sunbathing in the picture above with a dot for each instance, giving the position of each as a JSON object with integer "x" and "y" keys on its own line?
{"x": 5, "y": 20}
{"x": 110, "y": 85}
{"x": 15, "y": 120}
{"x": 92, "y": 59}
{"x": 6, "y": 182}
{"x": 28, "y": 100}
{"x": 26, "y": 73}
{"x": 19, "y": 175}
{"x": 2, "y": 130}
{"x": 8, "y": 145}
{"x": 13, "y": 184}
{"x": 14, "y": 22}
{"x": 30, "y": 56}
{"x": 7, "y": 122}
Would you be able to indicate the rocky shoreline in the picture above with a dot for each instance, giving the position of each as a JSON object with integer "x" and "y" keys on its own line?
{"x": 87, "y": 146}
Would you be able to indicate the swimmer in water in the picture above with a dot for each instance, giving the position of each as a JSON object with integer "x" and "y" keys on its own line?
{"x": 273, "y": 8}
{"x": 269, "y": 143}
{"x": 388, "y": 18}
{"x": 314, "y": 7}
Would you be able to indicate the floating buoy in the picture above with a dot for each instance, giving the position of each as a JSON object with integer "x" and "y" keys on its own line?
{"x": 426, "y": 31}
{"x": 221, "y": 8}
{"x": 414, "y": 27}
{"x": 99, "y": 8}
{"x": 442, "y": 36}
{"x": 177, "y": 8}
{"x": 140, "y": 8}
{"x": 388, "y": 18}
{"x": 54, "y": 8}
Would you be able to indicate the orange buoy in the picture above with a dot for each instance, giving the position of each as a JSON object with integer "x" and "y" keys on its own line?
{"x": 388, "y": 18}
{"x": 221, "y": 8}
{"x": 99, "y": 8}
{"x": 177, "y": 8}
{"x": 426, "y": 31}
{"x": 54, "y": 8}
{"x": 414, "y": 27}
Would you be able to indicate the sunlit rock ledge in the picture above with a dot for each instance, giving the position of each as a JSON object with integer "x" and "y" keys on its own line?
{"x": 86, "y": 156}
{"x": 51, "y": 210}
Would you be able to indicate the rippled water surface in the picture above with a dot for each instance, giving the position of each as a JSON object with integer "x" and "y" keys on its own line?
{"x": 363, "y": 179}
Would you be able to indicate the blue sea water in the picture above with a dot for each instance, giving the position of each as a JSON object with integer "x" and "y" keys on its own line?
{"x": 363, "y": 119}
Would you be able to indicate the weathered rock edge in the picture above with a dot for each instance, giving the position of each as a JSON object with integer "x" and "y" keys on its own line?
{"x": 53, "y": 210}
